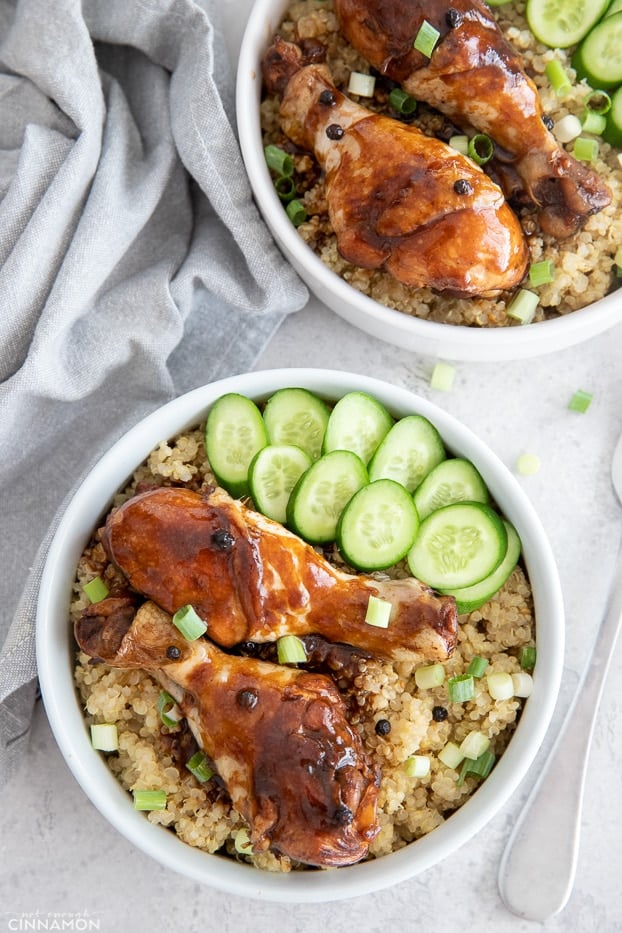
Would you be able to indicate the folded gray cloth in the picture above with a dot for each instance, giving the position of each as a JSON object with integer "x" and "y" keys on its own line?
{"x": 133, "y": 264}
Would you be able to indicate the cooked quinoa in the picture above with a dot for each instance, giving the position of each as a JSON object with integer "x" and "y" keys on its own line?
{"x": 584, "y": 263}
{"x": 151, "y": 756}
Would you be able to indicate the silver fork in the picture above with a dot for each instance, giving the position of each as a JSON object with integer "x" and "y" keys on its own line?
{"x": 539, "y": 863}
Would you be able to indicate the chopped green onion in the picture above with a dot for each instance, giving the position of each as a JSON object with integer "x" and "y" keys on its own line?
{"x": 361, "y": 84}
{"x": 96, "y": 590}
{"x": 593, "y": 122}
{"x": 290, "y": 650}
{"x": 442, "y": 377}
{"x": 477, "y": 666}
{"x": 278, "y": 160}
{"x": 461, "y": 688}
{"x": 170, "y": 713}
{"x": 527, "y": 657}
{"x": 296, "y": 212}
{"x": 242, "y": 842}
{"x": 378, "y": 612}
{"x": 556, "y": 73}
{"x": 598, "y": 102}
{"x": 541, "y": 273}
{"x": 198, "y": 766}
{"x": 430, "y": 676}
{"x": 580, "y": 401}
{"x": 104, "y": 737}
{"x": 500, "y": 686}
{"x": 426, "y": 38}
{"x": 417, "y": 766}
{"x": 523, "y": 684}
{"x": 528, "y": 464}
{"x": 481, "y": 767}
{"x": 567, "y": 129}
{"x": 402, "y": 102}
{"x": 285, "y": 187}
{"x": 450, "y": 755}
{"x": 189, "y": 623}
{"x": 149, "y": 799}
{"x": 523, "y": 306}
{"x": 474, "y": 745}
{"x": 586, "y": 150}
{"x": 460, "y": 144}
{"x": 481, "y": 148}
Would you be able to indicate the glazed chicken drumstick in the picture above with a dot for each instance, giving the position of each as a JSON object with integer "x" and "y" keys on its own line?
{"x": 250, "y": 579}
{"x": 294, "y": 768}
{"x": 397, "y": 199}
{"x": 475, "y": 77}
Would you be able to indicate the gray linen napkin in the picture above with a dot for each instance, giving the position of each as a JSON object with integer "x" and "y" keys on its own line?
{"x": 133, "y": 264}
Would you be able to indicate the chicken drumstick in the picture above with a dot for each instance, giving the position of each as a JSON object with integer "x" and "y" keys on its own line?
{"x": 279, "y": 738}
{"x": 476, "y": 78}
{"x": 397, "y": 199}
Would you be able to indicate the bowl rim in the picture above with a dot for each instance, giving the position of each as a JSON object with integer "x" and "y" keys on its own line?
{"x": 55, "y": 649}
{"x": 452, "y": 341}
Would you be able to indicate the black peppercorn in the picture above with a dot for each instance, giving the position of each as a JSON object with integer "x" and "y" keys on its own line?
{"x": 453, "y": 18}
{"x": 549, "y": 122}
{"x": 343, "y": 815}
{"x": 439, "y": 714}
{"x": 223, "y": 540}
{"x": 383, "y": 727}
{"x": 173, "y": 653}
{"x": 462, "y": 186}
{"x": 247, "y": 699}
{"x": 327, "y": 97}
{"x": 334, "y": 131}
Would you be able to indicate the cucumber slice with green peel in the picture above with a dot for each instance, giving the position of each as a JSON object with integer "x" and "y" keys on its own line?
{"x": 378, "y": 526}
{"x": 599, "y": 57}
{"x": 322, "y": 493}
{"x": 273, "y": 473}
{"x": 358, "y": 422}
{"x": 458, "y": 546}
{"x": 561, "y": 23}
{"x": 297, "y": 416}
{"x": 614, "y": 7}
{"x": 453, "y": 480}
{"x": 612, "y": 133}
{"x": 234, "y": 432}
{"x": 411, "y": 449}
{"x": 473, "y": 597}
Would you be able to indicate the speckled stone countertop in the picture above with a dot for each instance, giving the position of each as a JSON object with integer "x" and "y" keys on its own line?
{"x": 59, "y": 857}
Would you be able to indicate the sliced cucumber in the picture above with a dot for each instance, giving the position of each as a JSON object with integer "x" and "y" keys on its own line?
{"x": 599, "y": 57}
{"x": 561, "y": 23}
{"x": 234, "y": 432}
{"x": 453, "y": 480}
{"x": 458, "y": 545}
{"x": 273, "y": 473}
{"x": 613, "y": 128}
{"x": 409, "y": 451}
{"x": 322, "y": 493}
{"x": 378, "y": 526}
{"x": 469, "y": 598}
{"x": 298, "y": 417}
{"x": 358, "y": 422}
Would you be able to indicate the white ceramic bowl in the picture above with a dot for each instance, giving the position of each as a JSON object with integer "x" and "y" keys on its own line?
{"x": 410, "y": 333}
{"x": 55, "y": 648}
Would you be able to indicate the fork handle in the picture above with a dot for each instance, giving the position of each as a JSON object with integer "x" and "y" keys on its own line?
{"x": 539, "y": 863}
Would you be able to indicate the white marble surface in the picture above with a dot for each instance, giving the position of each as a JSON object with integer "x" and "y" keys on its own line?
{"x": 57, "y": 854}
